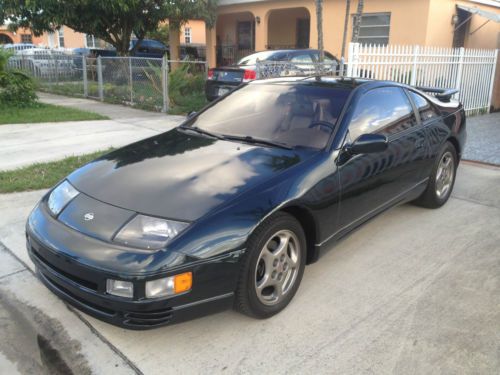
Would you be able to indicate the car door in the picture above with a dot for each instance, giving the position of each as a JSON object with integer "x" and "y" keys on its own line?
{"x": 435, "y": 128}
{"x": 371, "y": 182}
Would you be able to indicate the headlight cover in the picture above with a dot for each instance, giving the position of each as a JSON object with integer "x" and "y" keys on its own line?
{"x": 148, "y": 232}
{"x": 61, "y": 196}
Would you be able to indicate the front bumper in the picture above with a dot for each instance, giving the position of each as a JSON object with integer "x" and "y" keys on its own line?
{"x": 84, "y": 286}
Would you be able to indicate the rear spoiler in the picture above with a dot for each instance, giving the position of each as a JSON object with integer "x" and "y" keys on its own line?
{"x": 443, "y": 95}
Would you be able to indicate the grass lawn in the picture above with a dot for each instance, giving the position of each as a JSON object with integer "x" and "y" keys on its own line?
{"x": 45, "y": 113}
{"x": 43, "y": 175}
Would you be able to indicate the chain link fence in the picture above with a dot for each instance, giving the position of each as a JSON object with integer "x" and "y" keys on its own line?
{"x": 147, "y": 83}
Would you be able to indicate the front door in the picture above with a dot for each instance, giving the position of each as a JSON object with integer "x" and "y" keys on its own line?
{"x": 371, "y": 182}
{"x": 303, "y": 26}
{"x": 245, "y": 35}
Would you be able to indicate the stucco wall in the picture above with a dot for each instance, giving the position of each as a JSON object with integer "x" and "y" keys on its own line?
{"x": 226, "y": 26}
{"x": 263, "y": 10}
{"x": 282, "y": 26}
{"x": 197, "y": 32}
{"x": 16, "y": 37}
{"x": 73, "y": 39}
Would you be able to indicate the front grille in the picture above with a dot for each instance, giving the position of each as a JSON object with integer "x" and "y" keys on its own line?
{"x": 85, "y": 283}
{"x": 148, "y": 318}
{"x": 90, "y": 305}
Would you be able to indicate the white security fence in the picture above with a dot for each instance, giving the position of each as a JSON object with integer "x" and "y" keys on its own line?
{"x": 136, "y": 81}
{"x": 471, "y": 71}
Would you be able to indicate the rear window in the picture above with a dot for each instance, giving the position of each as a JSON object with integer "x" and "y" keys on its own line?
{"x": 266, "y": 55}
{"x": 295, "y": 114}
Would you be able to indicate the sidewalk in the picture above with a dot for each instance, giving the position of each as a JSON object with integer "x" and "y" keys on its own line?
{"x": 25, "y": 144}
{"x": 483, "y": 139}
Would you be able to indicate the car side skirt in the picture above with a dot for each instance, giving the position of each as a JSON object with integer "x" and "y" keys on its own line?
{"x": 407, "y": 196}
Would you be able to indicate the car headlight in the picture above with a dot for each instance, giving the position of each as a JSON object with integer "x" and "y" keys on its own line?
{"x": 149, "y": 232}
{"x": 61, "y": 196}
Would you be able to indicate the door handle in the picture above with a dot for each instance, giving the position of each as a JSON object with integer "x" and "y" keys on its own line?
{"x": 419, "y": 143}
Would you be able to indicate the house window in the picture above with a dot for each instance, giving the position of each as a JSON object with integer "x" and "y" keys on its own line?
{"x": 374, "y": 28}
{"x": 90, "y": 41}
{"x": 26, "y": 38}
{"x": 187, "y": 35}
{"x": 61, "y": 37}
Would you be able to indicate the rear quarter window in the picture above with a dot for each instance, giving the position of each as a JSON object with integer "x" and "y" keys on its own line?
{"x": 425, "y": 109}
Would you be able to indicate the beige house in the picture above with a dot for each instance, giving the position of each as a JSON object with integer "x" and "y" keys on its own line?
{"x": 244, "y": 26}
{"x": 193, "y": 32}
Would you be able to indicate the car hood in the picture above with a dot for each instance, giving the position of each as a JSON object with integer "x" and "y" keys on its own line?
{"x": 180, "y": 175}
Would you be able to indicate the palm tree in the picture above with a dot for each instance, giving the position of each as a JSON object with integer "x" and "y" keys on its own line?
{"x": 357, "y": 21}
{"x": 346, "y": 25}
{"x": 319, "y": 19}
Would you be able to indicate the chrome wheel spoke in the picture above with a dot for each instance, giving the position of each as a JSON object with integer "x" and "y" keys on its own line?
{"x": 282, "y": 246}
{"x": 444, "y": 175}
{"x": 277, "y": 267}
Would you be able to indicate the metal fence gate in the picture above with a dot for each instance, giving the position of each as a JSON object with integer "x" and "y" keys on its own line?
{"x": 472, "y": 71}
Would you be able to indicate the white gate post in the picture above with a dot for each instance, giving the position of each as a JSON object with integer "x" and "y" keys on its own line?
{"x": 458, "y": 81}
{"x": 492, "y": 82}
{"x": 416, "y": 51}
{"x": 164, "y": 83}
{"x": 99, "y": 79}
{"x": 352, "y": 59}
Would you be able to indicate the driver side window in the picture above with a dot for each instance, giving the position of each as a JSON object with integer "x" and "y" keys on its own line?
{"x": 385, "y": 110}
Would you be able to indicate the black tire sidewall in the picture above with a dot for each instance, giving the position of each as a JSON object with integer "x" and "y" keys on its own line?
{"x": 281, "y": 221}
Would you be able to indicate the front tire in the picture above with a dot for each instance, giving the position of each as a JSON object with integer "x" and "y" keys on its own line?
{"x": 273, "y": 267}
{"x": 442, "y": 179}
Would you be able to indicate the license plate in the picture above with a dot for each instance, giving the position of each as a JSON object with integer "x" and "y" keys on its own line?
{"x": 223, "y": 91}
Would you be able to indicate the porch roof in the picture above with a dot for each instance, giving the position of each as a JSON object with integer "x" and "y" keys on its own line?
{"x": 483, "y": 13}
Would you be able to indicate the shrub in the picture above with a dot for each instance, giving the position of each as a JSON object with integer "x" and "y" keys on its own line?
{"x": 186, "y": 89}
{"x": 16, "y": 88}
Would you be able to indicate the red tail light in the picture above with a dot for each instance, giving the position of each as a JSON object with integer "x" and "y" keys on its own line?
{"x": 210, "y": 74}
{"x": 249, "y": 75}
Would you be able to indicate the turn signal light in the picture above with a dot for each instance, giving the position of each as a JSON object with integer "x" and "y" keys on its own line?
{"x": 183, "y": 282}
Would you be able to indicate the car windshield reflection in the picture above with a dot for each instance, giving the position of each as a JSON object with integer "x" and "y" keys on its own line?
{"x": 299, "y": 115}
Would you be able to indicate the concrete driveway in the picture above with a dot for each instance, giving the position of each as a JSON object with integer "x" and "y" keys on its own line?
{"x": 413, "y": 291}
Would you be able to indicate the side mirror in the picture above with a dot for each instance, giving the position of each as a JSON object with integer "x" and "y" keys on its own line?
{"x": 368, "y": 143}
{"x": 191, "y": 114}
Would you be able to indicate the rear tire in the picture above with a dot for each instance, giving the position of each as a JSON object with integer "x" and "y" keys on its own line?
{"x": 273, "y": 267}
{"x": 442, "y": 179}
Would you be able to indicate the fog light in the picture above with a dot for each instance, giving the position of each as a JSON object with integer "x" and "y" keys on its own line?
{"x": 120, "y": 288}
{"x": 169, "y": 286}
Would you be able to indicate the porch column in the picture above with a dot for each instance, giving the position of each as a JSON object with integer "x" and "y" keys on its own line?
{"x": 261, "y": 31}
{"x": 211, "y": 40}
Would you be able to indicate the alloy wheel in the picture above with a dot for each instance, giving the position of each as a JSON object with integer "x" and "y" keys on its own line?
{"x": 277, "y": 267}
{"x": 445, "y": 174}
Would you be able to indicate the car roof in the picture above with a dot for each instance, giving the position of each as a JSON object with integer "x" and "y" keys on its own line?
{"x": 351, "y": 83}
{"x": 334, "y": 82}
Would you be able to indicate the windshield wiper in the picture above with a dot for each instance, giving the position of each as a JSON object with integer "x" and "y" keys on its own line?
{"x": 250, "y": 139}
{"x": 201, "y": 131}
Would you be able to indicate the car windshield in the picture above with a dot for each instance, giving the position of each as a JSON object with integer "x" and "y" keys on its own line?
{"x": 252, "y": 59}
{"x": 294, "y": 114}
